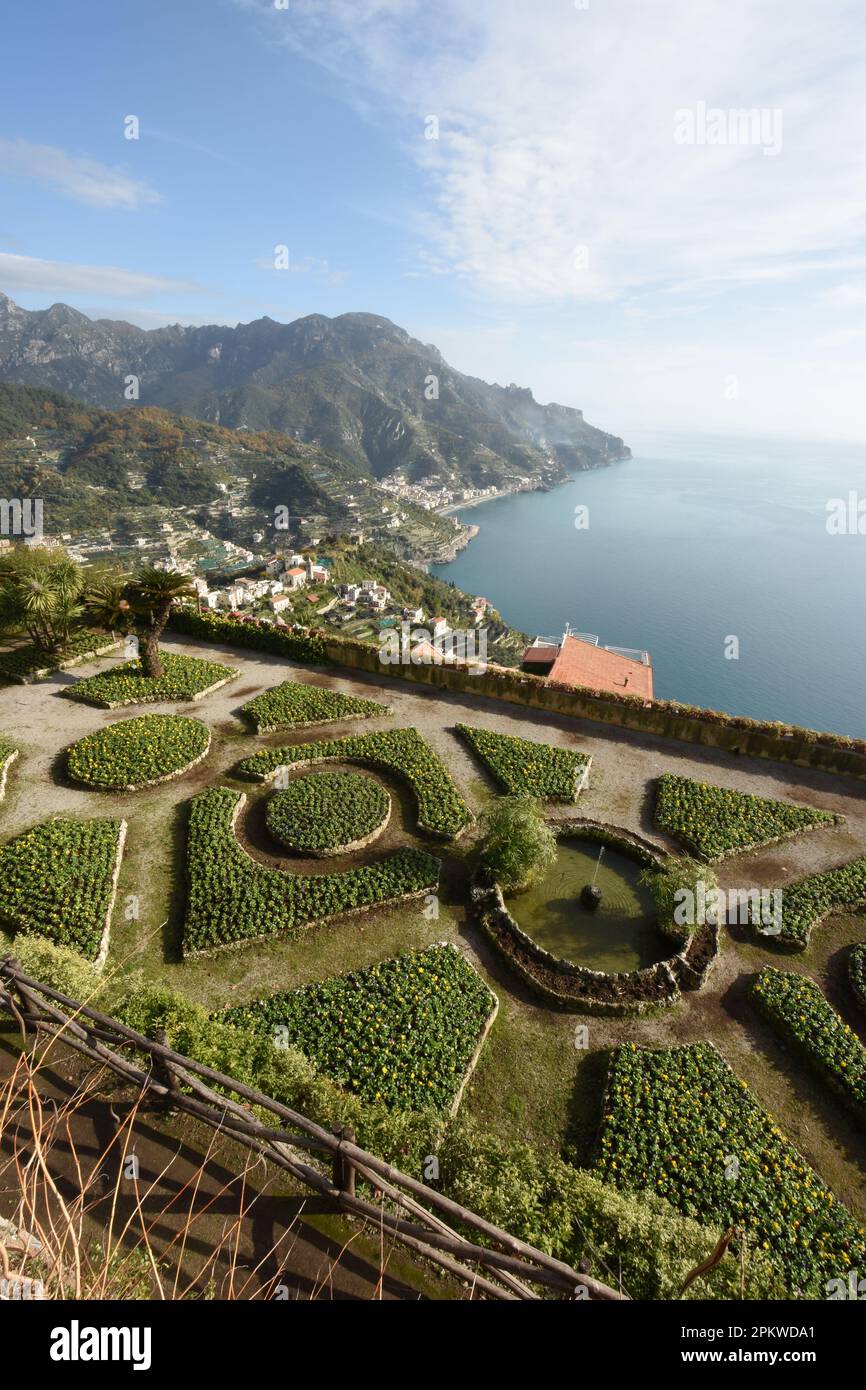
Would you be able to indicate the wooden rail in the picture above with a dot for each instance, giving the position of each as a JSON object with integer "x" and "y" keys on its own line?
{"x": 418, "y": 1216}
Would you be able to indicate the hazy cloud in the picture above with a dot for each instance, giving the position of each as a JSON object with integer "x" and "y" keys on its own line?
{"x": 85, "y": 180}
{"x": 60, "y": 277}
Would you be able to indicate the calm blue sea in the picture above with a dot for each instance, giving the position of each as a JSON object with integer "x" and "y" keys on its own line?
{"x": 691, "y": 542}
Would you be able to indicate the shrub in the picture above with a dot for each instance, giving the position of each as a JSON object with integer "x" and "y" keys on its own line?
{"x": 675, "y": 885}
{"x": 401, "y": 1033}
{"x": 714, "y": 822}
{"x": 251, "y": 632}
{"x": 185, "y": 678}
{"x": 58, "y": 880}
{"x": 60, "y": 967}
{"x": 294, "y": 703}
{"x": 441, "y": 808}
{"x": 524, "y": 768}
{"x": 324, "y": 811}
{"x": 138, "y": 752}
{"x": 679, "y": 1122}
{"x": 517, "y": 846}
{"x": 810, "y": 899}
{"x": 798, "y": 1011}
{"x": 232, "y": 899}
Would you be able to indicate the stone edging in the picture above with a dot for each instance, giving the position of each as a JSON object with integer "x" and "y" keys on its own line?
{"x": 479, "y": 1046}
{"x": 42, "y": 673}
{"x": 304, "y": 926}
{"x": 315, "y": 723}
{"x": 789, "y": 1042}
{"x": 102, "y": 953}
{"x": 142, "y": 786}
{"x": 4, "y": 770}
{"x": 858, "y": 988}
{"x": 792, "y": 945}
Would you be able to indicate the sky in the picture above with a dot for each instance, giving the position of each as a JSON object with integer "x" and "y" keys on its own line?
{"x": 560, "y": 194}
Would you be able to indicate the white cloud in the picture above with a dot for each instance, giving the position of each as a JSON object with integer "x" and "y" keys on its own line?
{"x": 557, "y": 132}
{"x": 85, "y": 180}
{"x": 60, "y": 277}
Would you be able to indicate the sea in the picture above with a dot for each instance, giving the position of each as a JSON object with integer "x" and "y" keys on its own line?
{"x": 738, "y": 564}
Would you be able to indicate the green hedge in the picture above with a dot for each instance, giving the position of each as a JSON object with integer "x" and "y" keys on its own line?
{"x": 185, "y": 678}
{"x": 304, "y": 646}
{"x": 231, "y": 898}
{"x": 522, "y": 767}
{"x": 137, "y": 752}
{"x": 57, "y": 880}
{"x": 799, "y": 1012}
{"x": 680, "y": 1123}
{"x": 401, "y": 1033}
{"x": 293, "y": 703}
{"x": 714, "y": 822}
{"x": 324, "y": 811}
{"x": 441, "y": 808}
{"x": 810, "y": 899}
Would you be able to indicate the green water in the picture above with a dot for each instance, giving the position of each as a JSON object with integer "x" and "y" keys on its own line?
{"x": 619, "y": 935}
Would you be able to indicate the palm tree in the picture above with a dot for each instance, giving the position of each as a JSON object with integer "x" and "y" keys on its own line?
{"x": 107, "y": 604}
{"x": 40, "y": 591}
{"x": 151, "y": 595}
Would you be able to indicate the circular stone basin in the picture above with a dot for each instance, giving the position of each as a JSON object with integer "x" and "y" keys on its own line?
{"x": 136, "y": 753}
{"x": 618, "y": 934}
{"x": 325, "y": 813}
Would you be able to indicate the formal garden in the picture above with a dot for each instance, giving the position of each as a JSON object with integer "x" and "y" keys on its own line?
{"x": 468, "y": 933}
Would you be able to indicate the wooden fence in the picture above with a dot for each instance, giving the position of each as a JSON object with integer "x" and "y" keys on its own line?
{"x": 414, "y": 1214}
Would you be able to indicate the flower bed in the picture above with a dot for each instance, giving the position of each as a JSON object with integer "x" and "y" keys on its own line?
{"x": 808, "y": 901}
{"x": 59, "y": 880}
{"x": 252, "y": 632}
{"x": 441, "y": 809}
{"x": 799, "y": 1013}
{"x": 29, "y": 663}
{"x": 714, "y": 822}
{"x": 402, "y": 1033}
{"x": 294, "y": 704}
{"x": 8, "y": 754}
{"x": 680, "y": 1124}
{"x": 328, "y": 813}
{"x": 522, "y": 767}
{"x": 185, "y": 678}
{"x": 857, "y": 972}
{"x": 232, "y": 899}
{"x": 136, "y": 753}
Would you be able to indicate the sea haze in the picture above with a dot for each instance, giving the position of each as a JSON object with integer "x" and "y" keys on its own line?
{"x": 695, "y": 540}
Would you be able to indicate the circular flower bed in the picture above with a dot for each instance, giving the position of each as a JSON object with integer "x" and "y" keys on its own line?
{"x": 137, "y": 753}
{"x": 328, "y": 812}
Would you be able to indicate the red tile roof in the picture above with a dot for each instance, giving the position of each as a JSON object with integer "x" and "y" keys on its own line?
{"x": 581, "y": 663}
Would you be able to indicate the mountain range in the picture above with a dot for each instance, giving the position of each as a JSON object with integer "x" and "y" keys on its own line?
{"x": 356, "y": 386}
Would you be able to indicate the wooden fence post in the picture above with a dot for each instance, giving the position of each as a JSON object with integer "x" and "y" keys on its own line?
{"x": 344, "y": 1169}
{"x": 165, "y": 1072}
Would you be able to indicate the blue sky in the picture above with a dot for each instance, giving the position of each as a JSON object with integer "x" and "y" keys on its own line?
{"x": 569, "y": 229}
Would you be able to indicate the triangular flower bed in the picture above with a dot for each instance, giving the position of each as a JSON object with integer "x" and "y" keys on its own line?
{"x": 714, "y": 822}
{"x": 405, "y": 1033}
{"x": 294, "y": 704}
{"x": 524, "y": 768}
{"x": 59, "y": 880}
